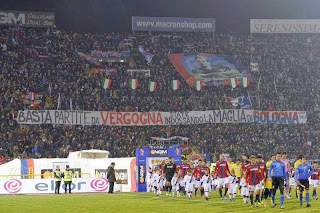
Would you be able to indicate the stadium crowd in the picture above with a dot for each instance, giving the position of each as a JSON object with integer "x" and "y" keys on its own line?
{"x": 46, "y": 62}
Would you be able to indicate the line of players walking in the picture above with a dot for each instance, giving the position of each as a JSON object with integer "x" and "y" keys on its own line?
{"x": 253, "y": 179}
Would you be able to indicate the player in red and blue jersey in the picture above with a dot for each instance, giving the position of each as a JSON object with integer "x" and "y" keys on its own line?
{"x": 197, "y": 173}
{"x": 254, "y": 178}
{"x": 244, "y": 164}
{"x": 184, "y": 168}
{"x": 263, "y": 170}
{"x": 221, "y": 171}
{"x": 315, "y": 179}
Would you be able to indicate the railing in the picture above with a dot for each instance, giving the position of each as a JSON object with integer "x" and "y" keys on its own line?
{"x": 42, "y": 176}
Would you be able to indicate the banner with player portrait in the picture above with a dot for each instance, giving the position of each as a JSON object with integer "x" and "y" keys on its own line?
{"x": 209, "y": 68}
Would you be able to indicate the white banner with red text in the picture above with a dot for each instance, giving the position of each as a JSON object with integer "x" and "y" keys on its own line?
{"x": 110, "y": 118}
{"x": 46, "y": 186}
{"x": 41, "y": 171}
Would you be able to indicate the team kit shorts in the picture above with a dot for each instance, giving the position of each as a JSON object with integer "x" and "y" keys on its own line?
{"x": 304, "y": 184}
{"x": 206, "y": 186}
{"x": 314, "y": 183}
{"x": 222, "y": 182}
{"x": 253, "y": 188}
{"x": 277, "y": 183}
{"x": 233, "y": 188}
{"x": 244, "y": 191}
{"x": 197, "y": 183}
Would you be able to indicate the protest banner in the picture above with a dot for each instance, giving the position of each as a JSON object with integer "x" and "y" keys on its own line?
{"x": 110, "y": 118}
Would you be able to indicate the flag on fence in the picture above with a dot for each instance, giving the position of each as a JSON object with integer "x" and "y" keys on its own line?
{"x": 244, "y": 81}
{"x": 198, "y": 85}
{"x": 148, "y": 56}
{"x": 227, "y": 99}
{"x": 243, "y": 102}
{"x": 233, "y": 82}
{"x": 133, "y": 83}
{"x": 71, "y": 104}
{"x": 59, "y": 102}
{"x": 225, "y": 82}
{"x": 106, "y": 83}
{"x": 32, "y": 96}
{"x": 48, "y": 102}
{"x": 254, "y": 67}
{"x": 175, "y": 84}
{"x": 34, "y": 104}
{"x": 152, "y": 86}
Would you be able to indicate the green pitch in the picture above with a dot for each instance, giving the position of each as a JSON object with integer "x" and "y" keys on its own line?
{"x": 138, "y": 202}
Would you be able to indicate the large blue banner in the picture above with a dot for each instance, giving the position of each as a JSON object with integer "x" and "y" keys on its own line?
{"x": 212, "y": 69}
{"x": 173, "y": 24}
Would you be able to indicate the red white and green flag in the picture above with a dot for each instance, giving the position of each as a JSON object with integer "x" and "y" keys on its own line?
{"x": 198, "y": 85}
{"x": 175, "y": 84}
{"x": 244, "y": 81}
{"x": 106, "y": 83}
{"x": 233, "y": 82}
{"x": 152, "y": 86}
{"x": 32, "y": 96}
{"x": 133, "y": 83}
{"x": 225, "y": 82}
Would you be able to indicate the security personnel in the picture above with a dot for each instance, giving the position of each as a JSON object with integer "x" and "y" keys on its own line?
{"x": 57, "y": 174}
{"x": 67, "y": 176}
{"x": 111, "y": 175}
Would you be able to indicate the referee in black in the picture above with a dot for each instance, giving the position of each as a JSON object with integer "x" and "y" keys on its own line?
{"x": 169, "y": 169}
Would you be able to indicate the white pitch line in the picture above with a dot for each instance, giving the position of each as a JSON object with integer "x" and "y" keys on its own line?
{"x": 179, "y": 199}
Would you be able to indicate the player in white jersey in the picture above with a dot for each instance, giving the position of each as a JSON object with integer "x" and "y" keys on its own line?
{"x": 189, "y": 181}
{"x": 175, "y": 183}
{"x": 156, "y": 179}
{"x": 244, "y": 192}
{"x": 233, "y": 186}
{"x": 149, "y": 180}
{"x": 153, "y": 180}
{"x": 206, "y": 181}
{"x": 159, "y": 180}
{"x": 214, "y": 182}
{"x": 152, "y": 184}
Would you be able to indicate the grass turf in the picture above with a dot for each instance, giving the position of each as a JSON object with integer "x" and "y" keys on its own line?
{"x": 138, "y": 202}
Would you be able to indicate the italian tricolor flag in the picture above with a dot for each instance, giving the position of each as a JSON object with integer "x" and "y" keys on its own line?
{"x": 152, "y": 86}
{"x": 106, "y": 83}
{"x": 233, "y": 82}
{"x": 244, "y": 81}
{"x": 198, "y": 85}
{"x": 133, "y": 83}
{"x": 32, "y": 96}
{"x": 175, "y": 84}
{"x": 225, "y": 82}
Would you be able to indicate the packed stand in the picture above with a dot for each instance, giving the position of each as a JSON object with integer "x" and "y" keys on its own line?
{"x": 46, "y": 62}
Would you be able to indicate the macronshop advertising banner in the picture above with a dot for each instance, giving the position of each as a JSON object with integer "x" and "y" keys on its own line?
{"x": 173, "y": 24}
